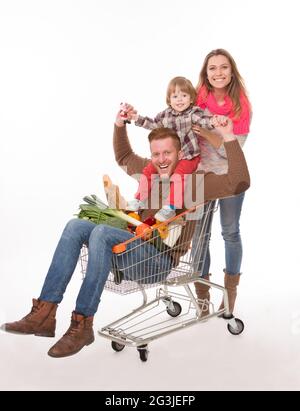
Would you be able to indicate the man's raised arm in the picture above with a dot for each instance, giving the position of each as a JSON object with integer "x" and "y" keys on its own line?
{"x": 124, "y": 155}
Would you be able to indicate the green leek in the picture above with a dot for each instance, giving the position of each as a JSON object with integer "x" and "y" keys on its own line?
{"x": 97, "y": 211}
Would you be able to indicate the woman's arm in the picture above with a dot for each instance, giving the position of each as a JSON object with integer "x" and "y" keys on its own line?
{"x": 215, "y": 139}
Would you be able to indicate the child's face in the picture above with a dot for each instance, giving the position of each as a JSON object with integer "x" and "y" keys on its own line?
{"x": 180, "y": 100}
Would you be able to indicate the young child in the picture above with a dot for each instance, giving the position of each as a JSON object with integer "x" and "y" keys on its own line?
{"x": 180, "y": 116}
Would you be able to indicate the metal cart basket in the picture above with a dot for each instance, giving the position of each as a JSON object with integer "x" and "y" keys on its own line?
{"x": 186, "y": 235}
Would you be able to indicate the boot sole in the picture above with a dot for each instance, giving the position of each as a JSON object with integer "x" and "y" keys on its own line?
{"x": 16, "y": 332}
{"x": 24, "y": 333}
{"x": 71, "y": 353}
{"x": 44, "y": 335}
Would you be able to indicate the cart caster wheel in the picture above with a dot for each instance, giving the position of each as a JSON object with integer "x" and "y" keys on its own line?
{"x": 176, "y": 311}
{"x": 143, "y": 351}
{"x": 239, "y": 327}
{"x": 117, "y": 346}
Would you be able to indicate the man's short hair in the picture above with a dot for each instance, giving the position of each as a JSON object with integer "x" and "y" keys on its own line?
{"x": 164, "y": 132}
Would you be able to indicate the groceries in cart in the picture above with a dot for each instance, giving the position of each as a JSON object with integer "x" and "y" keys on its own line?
{"x": 169, "y": 230}
{"x": 98, "y": 212}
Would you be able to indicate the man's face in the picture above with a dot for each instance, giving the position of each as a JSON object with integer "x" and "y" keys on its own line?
{"x": 165, "y": 156}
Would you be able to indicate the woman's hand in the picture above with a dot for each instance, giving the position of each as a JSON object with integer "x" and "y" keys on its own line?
{"x": 211, "y": 136}
{"x": 198, "y": 130}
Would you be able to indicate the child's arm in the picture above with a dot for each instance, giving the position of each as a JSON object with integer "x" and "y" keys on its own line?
{"x": 140, "y": 121}
{"x": 202, "y": 120}
{"x": 149, "y": 123}
{"x": 207, "y": 121}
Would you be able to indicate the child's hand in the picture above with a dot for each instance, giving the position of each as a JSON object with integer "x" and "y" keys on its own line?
{"x": 124, "y": 108}
{"x": 128, "y": 112}
{"x": 217, "y": 120}
{"x": 125, "y": 114}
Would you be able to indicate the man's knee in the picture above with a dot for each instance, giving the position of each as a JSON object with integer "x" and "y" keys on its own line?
{"x": 102, "y": 229}
{"x": 75, "y": 227}
{"x": 101, "y": 232}
{"x": 72, "y": 225}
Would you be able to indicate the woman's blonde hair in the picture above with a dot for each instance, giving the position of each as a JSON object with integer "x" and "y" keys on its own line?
{"x": 234, "y": 88}
{"x": 184, "y": 85}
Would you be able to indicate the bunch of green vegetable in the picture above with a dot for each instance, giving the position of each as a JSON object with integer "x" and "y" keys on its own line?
{"x": 98, "y": 212}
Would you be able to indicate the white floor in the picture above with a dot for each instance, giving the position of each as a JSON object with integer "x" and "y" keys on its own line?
{"x": 203, "y": 357}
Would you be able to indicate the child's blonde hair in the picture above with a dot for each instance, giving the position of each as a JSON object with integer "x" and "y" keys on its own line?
{"x": 184, "y": 85}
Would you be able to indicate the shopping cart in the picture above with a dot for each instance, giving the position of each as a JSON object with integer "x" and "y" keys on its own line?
{"x": 187, "y": 235}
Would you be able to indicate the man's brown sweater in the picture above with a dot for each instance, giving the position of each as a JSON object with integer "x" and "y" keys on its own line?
{"x": 236, "y": 181}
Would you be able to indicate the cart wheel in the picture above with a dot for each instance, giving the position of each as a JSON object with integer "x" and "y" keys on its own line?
{"x": 239, "y": 327}
{"x": 143, "y": 351}
{"x": 176, "y": 311}
{"x": 117, "y": 346}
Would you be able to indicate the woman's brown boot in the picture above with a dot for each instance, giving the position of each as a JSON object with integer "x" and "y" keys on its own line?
{"x": 40, "y": 321}
{"x": 202, "y": 292}
{"x": 231, "y": 282}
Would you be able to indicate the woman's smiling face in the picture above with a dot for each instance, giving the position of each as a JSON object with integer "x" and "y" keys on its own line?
{"x": 219, "y": 71}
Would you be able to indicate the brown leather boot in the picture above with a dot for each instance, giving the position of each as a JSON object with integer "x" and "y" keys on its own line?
{"x": 202, "y": 292}
{"x": 79, "y": 334}
{"x": 40, "y": 321}
{"x": 231, "y": 282}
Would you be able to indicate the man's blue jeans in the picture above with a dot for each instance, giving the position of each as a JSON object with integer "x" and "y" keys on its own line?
{"x": 100, "y": 239}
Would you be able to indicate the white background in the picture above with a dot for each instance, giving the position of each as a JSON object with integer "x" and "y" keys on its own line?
{"x": 64, "y": 68}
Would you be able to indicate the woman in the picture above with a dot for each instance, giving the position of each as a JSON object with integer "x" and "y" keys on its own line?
{"x": 221, "y": 91}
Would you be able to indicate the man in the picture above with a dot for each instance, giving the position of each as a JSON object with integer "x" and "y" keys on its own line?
{"x": 165, "y": 150}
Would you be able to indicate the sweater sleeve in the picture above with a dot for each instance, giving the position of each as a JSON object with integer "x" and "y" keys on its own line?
{"x": 125, "y": 157}
{"x": 240, "y": 138}
{"x": 237, "y": 179}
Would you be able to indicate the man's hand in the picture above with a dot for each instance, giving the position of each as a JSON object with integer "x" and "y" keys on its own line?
{"x": 217, "y": 120}
{"x": 225, "y": 129}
